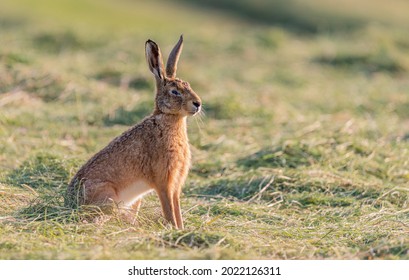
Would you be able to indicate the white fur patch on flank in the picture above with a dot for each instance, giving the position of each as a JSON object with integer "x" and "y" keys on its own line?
{"x": 129, "y": 195}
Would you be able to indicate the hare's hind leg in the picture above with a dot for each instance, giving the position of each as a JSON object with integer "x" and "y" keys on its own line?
{"x": 101, "y": 194}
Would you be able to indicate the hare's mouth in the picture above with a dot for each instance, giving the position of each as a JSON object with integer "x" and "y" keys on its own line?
{"x": 195, "y": 111}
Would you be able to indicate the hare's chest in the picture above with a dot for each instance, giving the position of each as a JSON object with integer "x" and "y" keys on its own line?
{"x": 179, "y": 152}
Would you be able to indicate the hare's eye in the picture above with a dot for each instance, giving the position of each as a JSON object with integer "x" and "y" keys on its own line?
{"x": 175, "y": 92}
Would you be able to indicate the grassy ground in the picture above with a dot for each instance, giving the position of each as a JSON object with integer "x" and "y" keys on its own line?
{"x": 303, "y": 153}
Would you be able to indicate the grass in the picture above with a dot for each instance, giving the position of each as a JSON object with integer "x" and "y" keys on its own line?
{"x": 303, "y": 153}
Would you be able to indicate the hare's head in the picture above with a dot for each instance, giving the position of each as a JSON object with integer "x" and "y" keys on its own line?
{"x": 173, "y": 95}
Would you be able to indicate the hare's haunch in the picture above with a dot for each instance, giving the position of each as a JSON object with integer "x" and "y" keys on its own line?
{"x": 152, "y": 155}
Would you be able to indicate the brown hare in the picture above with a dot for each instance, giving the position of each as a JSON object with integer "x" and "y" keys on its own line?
{"x": 152, "y": 155}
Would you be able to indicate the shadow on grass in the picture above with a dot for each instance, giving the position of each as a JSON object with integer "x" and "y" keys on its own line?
{"x": 224, "y": 108}
{"x": 230, "y": 106}
{"x": 122, "y": 116}
{"x": 233, "y": 189}
{"x": 43, "y": 85}
{"x": 381, "y": 61}
{"x": 294, "y": 15}
{"x": 12, "y": 22}
{"x": 384, "y": 251}
{"x": 118, "y": 79}
{"x": 288, "y": 155}
{"x": 56, "y": 43}
{"x": 297, "y": 188}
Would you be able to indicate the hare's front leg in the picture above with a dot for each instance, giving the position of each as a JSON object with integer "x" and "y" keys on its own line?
{"x": 167, "y": 200}
{"x": 178, "y": 212}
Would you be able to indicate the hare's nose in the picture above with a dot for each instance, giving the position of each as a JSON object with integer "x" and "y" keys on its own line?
{"x": 196, "y": 104}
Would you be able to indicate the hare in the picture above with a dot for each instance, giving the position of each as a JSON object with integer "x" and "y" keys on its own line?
{"x": 152, "y": 155}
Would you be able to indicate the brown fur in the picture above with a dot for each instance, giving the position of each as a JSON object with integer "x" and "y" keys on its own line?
{"x": 152, "y": 155}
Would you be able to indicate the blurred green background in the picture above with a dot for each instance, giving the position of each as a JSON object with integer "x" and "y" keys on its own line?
{"x": 302, "y": 154}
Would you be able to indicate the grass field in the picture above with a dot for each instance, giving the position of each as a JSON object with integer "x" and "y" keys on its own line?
{"x": 303, "y": 152}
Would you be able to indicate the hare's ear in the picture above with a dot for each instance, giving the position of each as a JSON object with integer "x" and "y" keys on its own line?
{"x": 154, "y": 58}
{"x": 172, "y": 64}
